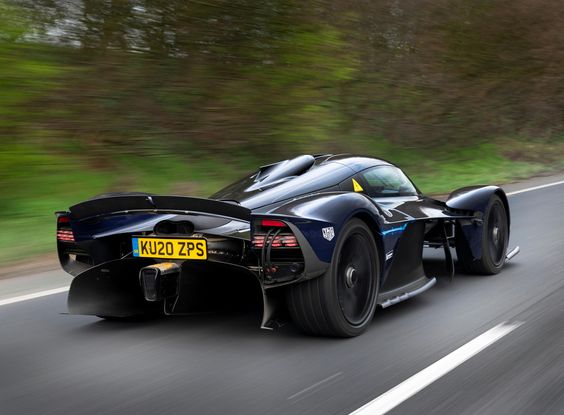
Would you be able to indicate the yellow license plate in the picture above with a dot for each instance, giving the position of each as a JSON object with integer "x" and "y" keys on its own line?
{"x": 170, "y": 248}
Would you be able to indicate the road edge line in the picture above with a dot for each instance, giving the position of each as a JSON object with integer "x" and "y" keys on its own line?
{"x": 32, "y": 296}
{"x": 530, "y": 189}
{"x": 409, "y": 387}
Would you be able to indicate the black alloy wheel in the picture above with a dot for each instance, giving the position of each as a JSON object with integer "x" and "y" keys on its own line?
{"x": 341, "y": 302}
{"x": 355, "y": 278}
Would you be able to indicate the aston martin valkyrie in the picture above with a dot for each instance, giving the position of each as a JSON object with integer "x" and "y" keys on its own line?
{"x": 323, "y": 239}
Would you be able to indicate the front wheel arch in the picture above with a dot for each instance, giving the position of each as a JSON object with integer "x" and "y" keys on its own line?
{"x": 484, "y": 264}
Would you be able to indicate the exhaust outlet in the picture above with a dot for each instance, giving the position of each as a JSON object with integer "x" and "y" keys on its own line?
{"x": 160, "y": 281}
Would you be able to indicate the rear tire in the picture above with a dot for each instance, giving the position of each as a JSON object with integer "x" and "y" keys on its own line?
{"x": 495, "y": 239}
{"x": 341, "y": 302}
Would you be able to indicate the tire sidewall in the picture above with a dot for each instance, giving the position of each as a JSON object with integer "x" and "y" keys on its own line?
{"x": 333, "y": 307}
{"x": 486, "y": 257}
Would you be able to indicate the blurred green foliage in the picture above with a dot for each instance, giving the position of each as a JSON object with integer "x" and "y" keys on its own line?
{"x": 185, "y": 96}
{"x": 25, "y": 72}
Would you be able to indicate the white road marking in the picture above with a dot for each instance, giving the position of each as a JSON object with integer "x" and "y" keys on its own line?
{"x": 315, "y": 385}
{"x": 33, "y": 295}
{"x": 543, "y": 186}
{"x": 421, "y": 380}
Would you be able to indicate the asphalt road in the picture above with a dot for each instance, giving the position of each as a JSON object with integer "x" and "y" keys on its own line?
{"x": 51, "y": 363}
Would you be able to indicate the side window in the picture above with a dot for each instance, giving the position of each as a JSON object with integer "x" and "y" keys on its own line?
{"x": 387, "y": 181}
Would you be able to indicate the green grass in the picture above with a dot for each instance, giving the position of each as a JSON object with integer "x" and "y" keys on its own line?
{"x": 471, "y": 166}
{"x": 441, "y": 170}
{"x": 35, "y": 184}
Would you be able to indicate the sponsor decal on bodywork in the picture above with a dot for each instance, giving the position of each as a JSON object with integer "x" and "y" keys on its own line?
{"x": 328, "y": 233}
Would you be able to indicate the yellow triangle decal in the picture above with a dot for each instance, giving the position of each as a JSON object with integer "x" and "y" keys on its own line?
{"x": 357, "y": 187}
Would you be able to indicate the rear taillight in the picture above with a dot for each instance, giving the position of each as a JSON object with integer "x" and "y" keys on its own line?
{"x": 273, "y": 233}
{"x": 64, "y": 230}
{"x": 65, "y": 236}
{"x": 282, "y": 240}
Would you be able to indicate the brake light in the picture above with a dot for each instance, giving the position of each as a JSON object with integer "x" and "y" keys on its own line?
{"x": 270, "y": 223}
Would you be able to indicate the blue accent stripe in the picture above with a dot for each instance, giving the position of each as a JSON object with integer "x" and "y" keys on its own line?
{"x": 135, "y": 243}
{"x": 393, "y": 230}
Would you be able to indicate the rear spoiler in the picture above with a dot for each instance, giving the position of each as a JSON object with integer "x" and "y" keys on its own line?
{"x": 159, "y": 204}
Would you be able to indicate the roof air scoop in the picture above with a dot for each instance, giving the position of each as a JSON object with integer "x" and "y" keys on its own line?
{"x": 285, "y": 169}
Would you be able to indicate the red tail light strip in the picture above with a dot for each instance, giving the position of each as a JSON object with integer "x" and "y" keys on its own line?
{"x": 280, "y": 241}
{"x": 65, "y": 235}
{"x": 270, "y": 223}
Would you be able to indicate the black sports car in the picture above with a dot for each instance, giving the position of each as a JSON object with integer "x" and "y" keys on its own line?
{"x": 327, "y": 237}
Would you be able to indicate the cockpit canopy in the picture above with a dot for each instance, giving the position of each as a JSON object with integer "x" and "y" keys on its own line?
{"x": 313, "y": 173}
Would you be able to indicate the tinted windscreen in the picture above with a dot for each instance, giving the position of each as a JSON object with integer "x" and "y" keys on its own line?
{"x": 386, "y": 181}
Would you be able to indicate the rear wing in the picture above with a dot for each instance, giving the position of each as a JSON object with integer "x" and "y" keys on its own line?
{"x": 158, "y": 204}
